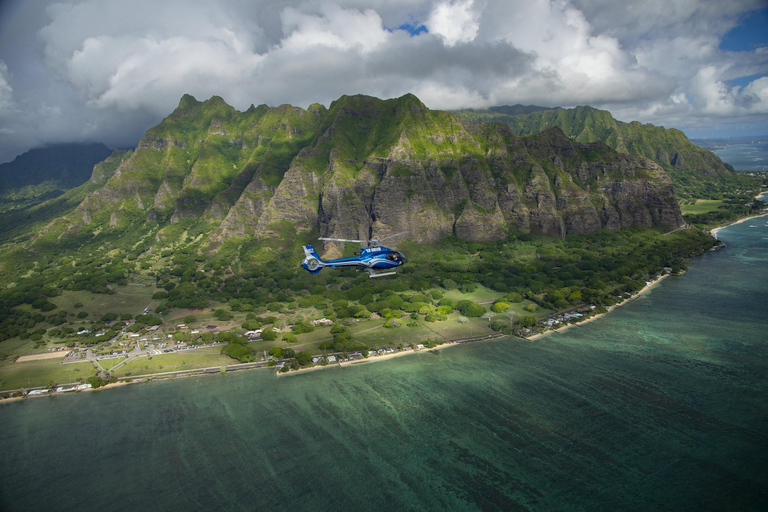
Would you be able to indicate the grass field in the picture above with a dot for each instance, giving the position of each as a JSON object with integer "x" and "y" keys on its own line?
{"x": 108, "y": 364}
{"x": 700, "y": 206}
{"x": 480, "y": 295}
{"x": 189, "y": 360}
{"x": 127, "y": 299}
{"x": 40, "y": 373}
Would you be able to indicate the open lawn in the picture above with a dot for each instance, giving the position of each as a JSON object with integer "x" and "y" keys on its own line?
{"x": 700, "y": 206}
{"x": 40, "y": 373}
{"x": 480, "y": 295}
{"x": 127, "y": 299}
{"x": 189, "y": 360}
{"x": 108, "y": 364}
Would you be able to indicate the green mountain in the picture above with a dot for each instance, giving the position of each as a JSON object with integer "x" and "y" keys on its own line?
{"x": 47, "y": 172}
{"x": 363, "y": 167}
{"x": 694, "y": 171}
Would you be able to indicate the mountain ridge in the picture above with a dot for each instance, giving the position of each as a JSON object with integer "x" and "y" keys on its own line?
{"x": 694, "y": 171}
{"x": 363, "y": 168}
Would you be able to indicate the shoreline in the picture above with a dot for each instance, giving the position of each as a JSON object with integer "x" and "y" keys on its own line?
{"x": 377, "y": 358}
{"x": 714, "y": 231}
{"x": 645, "y": 289}
{"x": 204, "y": 371}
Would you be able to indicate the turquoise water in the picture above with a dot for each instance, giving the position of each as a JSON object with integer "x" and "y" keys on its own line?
{"x": 661, "y": 405}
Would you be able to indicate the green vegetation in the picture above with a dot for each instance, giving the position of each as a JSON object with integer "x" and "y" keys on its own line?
{"x": 41, "y": 373}
{"x": 705, "y": 213}
{"x": 695, "y": 172}
{"x": 171, "y": 240}
{"x": 190, "y": 360}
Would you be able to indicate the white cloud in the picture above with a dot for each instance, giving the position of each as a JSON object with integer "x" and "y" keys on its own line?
{"x": 335, "y": 27}
{"x": 115, "y": 67}
{"x": 455, "y": 21}
{"x": 6, "y": 91}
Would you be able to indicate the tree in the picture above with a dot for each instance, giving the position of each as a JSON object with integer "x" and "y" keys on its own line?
{"x": 109, "y": 317}
{"x": 304, "y": 357}
{"x": 500, "y": 307}
{"x": 489, "y": 315}
{"x": 251, "y": 325}
{"x": 269, "y": 334}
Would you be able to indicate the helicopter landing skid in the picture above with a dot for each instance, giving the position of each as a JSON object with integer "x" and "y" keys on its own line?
{"x": 373, "y": 273}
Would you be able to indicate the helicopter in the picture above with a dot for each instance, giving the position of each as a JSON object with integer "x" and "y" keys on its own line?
{"x": 370, "y": 258}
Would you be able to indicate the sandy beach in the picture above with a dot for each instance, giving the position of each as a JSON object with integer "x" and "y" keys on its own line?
{"x": 609, "y": 308}
{"x": 745, "y": 219}
{"x": 371, "y": 359}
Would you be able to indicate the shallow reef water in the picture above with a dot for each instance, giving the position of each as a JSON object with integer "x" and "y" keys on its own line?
{"x": 660, "y": 405}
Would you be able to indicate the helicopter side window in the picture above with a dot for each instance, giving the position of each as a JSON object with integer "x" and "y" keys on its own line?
{"x": 392, "y": 256}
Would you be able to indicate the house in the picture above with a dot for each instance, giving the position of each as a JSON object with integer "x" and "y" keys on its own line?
{"x": 331, "y": 359}
{"x": 316, "y": 360}
{"x": 65, "y": 389}
{"x": 321, "y": 321}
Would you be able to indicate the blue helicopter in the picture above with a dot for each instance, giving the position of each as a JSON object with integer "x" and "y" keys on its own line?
{"x": 370, "y": 258}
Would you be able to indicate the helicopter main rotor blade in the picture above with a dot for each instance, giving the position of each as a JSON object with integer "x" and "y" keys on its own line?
{"x": 343, "y": 240}
{"x": 377, "y": 240}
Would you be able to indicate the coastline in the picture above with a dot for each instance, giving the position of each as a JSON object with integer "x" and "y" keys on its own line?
{"x": 714, "y": 231}
{"x": 599, "y": 315}
{"x": 204, "y": 371}
{"x": 384, "y": 357}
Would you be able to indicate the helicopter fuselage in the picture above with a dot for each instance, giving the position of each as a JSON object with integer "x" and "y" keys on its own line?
{"x": 370, "y": 258}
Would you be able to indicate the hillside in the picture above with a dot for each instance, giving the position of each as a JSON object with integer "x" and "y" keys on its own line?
{"x": 202, "y": 224}
{"x": 362, "y": 168}
{"x": 694, "y": 171}
{"x": 47, "y": 172}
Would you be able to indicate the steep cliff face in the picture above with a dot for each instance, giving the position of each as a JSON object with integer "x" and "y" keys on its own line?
{"x": 684, "y": 162}
{"x": 366, "y": 167}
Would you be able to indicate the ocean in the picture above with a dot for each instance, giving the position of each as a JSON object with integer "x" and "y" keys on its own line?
{"x": 743, "y": 153}
{"x": 660, "y": 405}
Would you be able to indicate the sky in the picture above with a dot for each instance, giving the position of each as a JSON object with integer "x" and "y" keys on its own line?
{"x": 107, "y": 70}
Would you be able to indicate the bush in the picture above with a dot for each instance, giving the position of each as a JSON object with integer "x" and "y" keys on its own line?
{"x": 239, "y": 352}
{"x": 269, "y": 334}
{"x": 251, "y": 325}
{"x": 500, "y": 307}
{"x": 222, "y": 315}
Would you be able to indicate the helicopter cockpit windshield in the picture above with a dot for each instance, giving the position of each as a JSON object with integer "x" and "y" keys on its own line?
{"x": 396, "y": 256}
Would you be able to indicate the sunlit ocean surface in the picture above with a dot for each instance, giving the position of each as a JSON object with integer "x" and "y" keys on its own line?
{"x": 661, "y": 405}
{"x": 743, "y": 153}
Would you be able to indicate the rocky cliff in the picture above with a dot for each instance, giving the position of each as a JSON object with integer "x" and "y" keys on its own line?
{"x": 691, "y": 168}
{"x": 366, "y": 167}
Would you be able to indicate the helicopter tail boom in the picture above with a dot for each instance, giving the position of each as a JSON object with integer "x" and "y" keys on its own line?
{"x": 312, "y": 262}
